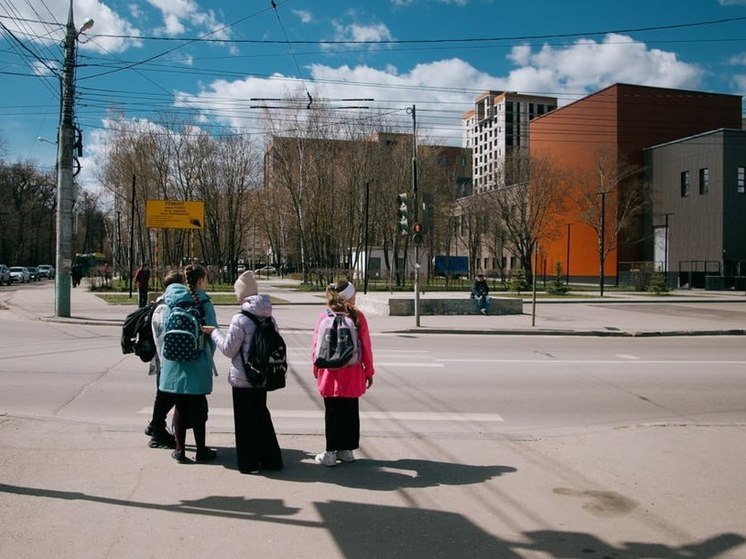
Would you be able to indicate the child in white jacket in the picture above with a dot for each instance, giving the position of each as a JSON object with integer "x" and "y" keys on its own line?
{"x": 256, "y": 442}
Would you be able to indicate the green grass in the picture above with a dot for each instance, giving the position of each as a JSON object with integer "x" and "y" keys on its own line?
{"x": 215, "y": 298}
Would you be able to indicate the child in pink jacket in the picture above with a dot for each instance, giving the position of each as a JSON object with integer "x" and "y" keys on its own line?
{"x": 342, "y": 388}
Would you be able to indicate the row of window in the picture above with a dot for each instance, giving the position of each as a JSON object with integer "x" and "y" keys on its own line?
{"x": 704, "y": 181}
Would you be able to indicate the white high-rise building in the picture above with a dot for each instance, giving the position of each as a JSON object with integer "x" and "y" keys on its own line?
{"x": 497, "y": 125}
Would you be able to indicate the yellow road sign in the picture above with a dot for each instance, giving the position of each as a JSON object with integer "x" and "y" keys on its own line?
{"x": 175, "y": 214}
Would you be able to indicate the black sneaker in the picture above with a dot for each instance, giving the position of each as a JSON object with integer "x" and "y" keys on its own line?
{"x": 206, "y": 455}
{"x": 180, "y": 457}
{"x": 162, "y": 440}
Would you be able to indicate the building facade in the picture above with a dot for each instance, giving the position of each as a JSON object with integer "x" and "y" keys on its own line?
{"x": 499, "y": 123}
{"x": 623, "y": 119}
{"x": 699, "y": 205}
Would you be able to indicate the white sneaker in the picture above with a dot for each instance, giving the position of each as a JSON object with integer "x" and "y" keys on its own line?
{"x": 345, "y": 456}
{"x": 328, "y": 458}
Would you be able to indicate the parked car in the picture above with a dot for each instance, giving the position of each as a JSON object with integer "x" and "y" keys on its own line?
{"x": 46, "y": 271}
{"x": 4, "y": 275}
{"x": 19, "y": 274}
{"x": 265, "y": 271}
{"x": 33, "y": 272}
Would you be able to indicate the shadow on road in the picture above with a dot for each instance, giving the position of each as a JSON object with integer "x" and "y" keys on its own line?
{"x": 367, "y": 530}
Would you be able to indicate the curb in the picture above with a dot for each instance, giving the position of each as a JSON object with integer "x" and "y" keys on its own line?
{"x": 589, "y": 333}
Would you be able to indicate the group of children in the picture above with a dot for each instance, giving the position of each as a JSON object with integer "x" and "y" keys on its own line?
{"x": 184, "y": 385}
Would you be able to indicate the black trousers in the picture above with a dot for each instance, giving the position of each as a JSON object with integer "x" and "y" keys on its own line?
{"x": 256, "y": 441}
{"x": 191, "y": 413}
{"x": 342, "y": 419}
{"x": 142, "y": 297}
{"x": 163, "y": 403}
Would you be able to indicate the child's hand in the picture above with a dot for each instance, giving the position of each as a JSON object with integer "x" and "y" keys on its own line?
{"x": 208, "y": 329}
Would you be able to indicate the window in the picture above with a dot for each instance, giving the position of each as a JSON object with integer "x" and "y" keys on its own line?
{"x": 704, "y": 180}
{"x": 684, "y": 184}
{"x": 741, "y": 184}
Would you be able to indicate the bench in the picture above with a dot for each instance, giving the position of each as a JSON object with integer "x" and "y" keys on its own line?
{"x": 465, "y": 305}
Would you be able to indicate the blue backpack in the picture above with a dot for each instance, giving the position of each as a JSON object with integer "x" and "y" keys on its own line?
{"x": 183, "y": 339}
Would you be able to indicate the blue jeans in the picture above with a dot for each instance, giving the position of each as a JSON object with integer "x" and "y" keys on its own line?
{"x": 482, "y": 301}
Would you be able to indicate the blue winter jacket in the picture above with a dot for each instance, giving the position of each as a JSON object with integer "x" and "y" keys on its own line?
{"x": 186, "y": 377}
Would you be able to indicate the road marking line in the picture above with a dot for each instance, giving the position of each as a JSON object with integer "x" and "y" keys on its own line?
{"x": 591, "y": 361}
{"x": 627, "y": 356}
{"x": 373, "y": 415}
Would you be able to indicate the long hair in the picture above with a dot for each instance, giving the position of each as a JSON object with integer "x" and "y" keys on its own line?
{"x": 194, "y": 273}
{"x": 335, "y": 301}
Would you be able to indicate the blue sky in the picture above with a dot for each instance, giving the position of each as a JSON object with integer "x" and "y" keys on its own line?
{"x": 145, "y": 58}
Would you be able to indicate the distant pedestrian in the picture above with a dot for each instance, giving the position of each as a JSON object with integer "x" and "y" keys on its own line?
{"x": 76, "y": 273}
{"x": 106, "y": 272}
{"x": 342, "y": 388}
{"x": 142, "y": 282}
{"x": 256, "y": 442}
{"x": 164, "y": 402}
{"x": 189, "y": 381}
{"x": 480, "y": 293}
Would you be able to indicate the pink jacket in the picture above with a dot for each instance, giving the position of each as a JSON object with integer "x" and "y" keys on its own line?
{"x": 348, "y": 382}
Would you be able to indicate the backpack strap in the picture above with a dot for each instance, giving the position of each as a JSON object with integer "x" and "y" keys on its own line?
{"x": 254, "y": 318}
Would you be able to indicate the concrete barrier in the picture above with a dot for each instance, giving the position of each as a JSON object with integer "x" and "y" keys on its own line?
{"x": 405, "y": 307}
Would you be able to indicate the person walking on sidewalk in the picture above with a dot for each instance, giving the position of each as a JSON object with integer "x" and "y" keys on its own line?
{"x": 342, "y": 388}
{"x": 256, "y": 441}
{"x": 480, "y": 292}
{"x": 142, "y": 282}
{"x": 164, "y": 401}
{"x": 189, "y": 381}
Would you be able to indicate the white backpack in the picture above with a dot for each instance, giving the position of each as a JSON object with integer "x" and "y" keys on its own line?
{"x": 337, "y": 344}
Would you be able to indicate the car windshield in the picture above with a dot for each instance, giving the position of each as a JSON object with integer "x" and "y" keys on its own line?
{"x": 16, "y": 269}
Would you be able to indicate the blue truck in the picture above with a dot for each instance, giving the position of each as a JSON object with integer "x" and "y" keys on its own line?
{"x": 451, "y": 266}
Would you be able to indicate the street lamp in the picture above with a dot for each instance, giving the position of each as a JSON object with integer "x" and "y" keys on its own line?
{"x": 567, "y": 257}
{"x": 65, "y": 145}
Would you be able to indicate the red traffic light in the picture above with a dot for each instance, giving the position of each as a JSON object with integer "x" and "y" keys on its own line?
{"x": 417, "y": 228}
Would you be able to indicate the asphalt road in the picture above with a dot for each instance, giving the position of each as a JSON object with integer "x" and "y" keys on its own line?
{"x": 477, "y": 446}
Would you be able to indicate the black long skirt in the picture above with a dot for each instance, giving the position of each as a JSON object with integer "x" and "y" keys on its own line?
{"x": 256, "y": 441}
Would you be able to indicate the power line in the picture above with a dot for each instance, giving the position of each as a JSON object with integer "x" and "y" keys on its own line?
{"x": 438, "y": 41}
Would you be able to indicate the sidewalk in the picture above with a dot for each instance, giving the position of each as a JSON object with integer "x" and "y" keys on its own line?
{"x": 79, "y": 489}
{"x": 679, "y": 313}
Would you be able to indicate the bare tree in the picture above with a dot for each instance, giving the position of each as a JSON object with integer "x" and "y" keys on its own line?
{"x": 612, "y": 197}
{"x": 529, "y": 197}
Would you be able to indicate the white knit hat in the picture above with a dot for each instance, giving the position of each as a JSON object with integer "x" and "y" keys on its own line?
{"x": 245, "y": 286}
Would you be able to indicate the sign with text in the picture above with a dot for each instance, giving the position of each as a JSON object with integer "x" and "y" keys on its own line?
{"x": 175, "y": 214}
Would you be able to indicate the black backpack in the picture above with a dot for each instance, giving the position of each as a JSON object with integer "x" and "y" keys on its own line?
{"x": 266, "y": 364}
{"x": 137, "y": 333}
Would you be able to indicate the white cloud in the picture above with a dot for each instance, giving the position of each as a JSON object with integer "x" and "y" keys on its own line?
{"x": 740, "y": 81}
{"x": 447, "y": 88}
{"x": 107, "y": 22}
{"x": 588, "y": 65}
{"x": 356, "y": 32}
{"x": 178, "y": 14}
{"x": 304, "y": 15}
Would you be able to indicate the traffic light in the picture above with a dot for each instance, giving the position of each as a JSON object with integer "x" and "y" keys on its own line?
{"x": 402, "y": 214}
{"x": 417, "y": 233}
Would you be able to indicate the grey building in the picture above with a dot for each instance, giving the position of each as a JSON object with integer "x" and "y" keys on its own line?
{"x": 699, "y": 208}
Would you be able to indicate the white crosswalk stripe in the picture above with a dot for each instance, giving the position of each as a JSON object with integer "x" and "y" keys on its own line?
{"x": 371, "y": 415}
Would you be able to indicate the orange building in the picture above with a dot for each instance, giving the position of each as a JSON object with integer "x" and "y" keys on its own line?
{"x": 622, "y": 119}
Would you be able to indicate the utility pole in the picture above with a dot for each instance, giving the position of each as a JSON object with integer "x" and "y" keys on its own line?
{"x": 602, "y": 243}
{"x": 413, "y": 110}
{"x": 65, "y": 145}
